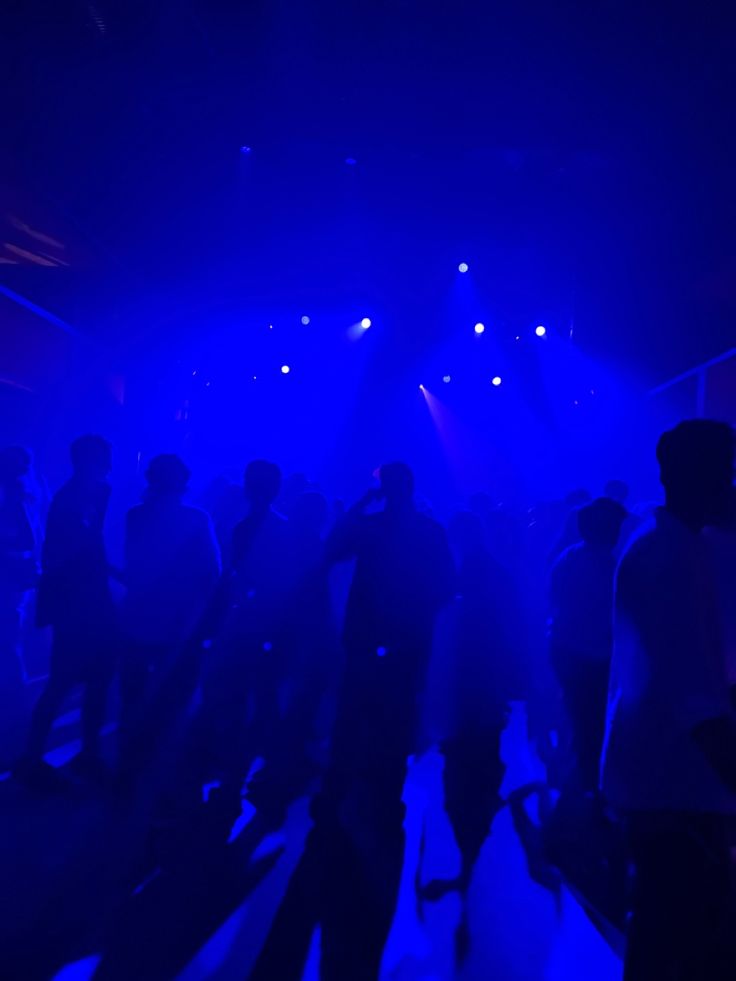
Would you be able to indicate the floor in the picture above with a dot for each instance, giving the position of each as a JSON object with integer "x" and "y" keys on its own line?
{"x": 520, "y": 930}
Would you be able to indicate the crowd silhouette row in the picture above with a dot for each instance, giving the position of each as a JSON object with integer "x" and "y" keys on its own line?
{"x": 243, "y": 663}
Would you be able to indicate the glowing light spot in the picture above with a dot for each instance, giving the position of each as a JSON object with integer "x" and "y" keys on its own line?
{"x": 268, "y": 646}
{"x": 365, "y": 323}
{"x": 270, "y": 326}
{"x": 540, "y": 331}
{"x": 305, "y": 320}
{"x": 479, "y": 328}
{"x": 381, "y": 651}
{"x": 350, "y": 161}
{"x": 245, "y": 150}
{"x": 446, "y": 379}
{"x": 496, "y": 381}
{"x": 463, "y": 267}
{"x": 421, "y": 388}
{"x": 285, "y": 369}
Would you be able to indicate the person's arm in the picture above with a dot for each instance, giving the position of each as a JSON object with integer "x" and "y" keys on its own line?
{"x": 343, "y": 541}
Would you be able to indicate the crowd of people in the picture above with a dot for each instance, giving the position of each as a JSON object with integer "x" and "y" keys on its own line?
{"x": 230, "y": 639}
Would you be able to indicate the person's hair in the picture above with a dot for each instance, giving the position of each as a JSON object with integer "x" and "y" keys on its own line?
{"x": 262, "y": 481}
{"x": 617, "y": 490}
{"x": 577, "y": 498}
{"x": 600, "y": 522}
{"x": 90, "y": 451}
{"x": 397, "y": 481}
{"x": 15, "y": 461}
{"x": 168, "y": 474}
{"x": 694, "y": 449}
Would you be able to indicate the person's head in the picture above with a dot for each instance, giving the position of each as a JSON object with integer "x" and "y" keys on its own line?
{"x": 167, "y": 474}
{"x": 262, "y": 483}
{"x": 696, "y": 464}
{"x": 15, "y": 464}
{"x": 91, "y": 457}
{"x": 600, "y": 522}
{"x": 577, "y": 498}
{"x": 310, "y": 512}
{"x": 397, "y": 484}
{"x": 617, "y": 490}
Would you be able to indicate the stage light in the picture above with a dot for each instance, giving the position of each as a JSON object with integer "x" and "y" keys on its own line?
{"x": 540, "y": 331}
{"x": 365, "y": 323}
{"x": 517, "y": 338}
{"x": 381, "y": 651}
{"x": 446, "y": 379}
{"x": 305, "y": 320}
{"x": 285, "y": 369}
{"x": 496, "y": 381}
{"x": 421, "y": 388}
{"x": 463, "y": 267}
{"x": 268, "y": 647}
{"x": 245, "y": 150}
{"x": 350, "y": 161}
{"x": 479, "y": 328}
{"x": 270, "y": 326}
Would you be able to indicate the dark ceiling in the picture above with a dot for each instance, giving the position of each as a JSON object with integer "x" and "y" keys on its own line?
{"x": 587, "y": 149}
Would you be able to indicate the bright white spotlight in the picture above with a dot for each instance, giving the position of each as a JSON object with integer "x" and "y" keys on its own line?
{"x": 446, "y": 379}
{"x": 305, "y": 320}
{"x": 421, "y": 387}
{"x": 365, "y": 323}
{"x": 285, "y": 369}
{"x": 479, "y": 328}
{"x": 463, "y": 267}
{"x": 496, "y": 381}
{"x": 540, "y": 331}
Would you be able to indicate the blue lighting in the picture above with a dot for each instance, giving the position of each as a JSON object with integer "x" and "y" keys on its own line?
{"x": 540, "y": 331}
{"x": 285, "y": 369}
{"x": 496, "y": 381}
{"x": 479, "y": 328}
{"x": 268, "y": 646}
{"x": 365, "y": 323}
{"x": 305, "y": 320}
{"x": 463, "y": 267}
{"x": 446, "y": 379}
{"x": 381, "y": 651}
{"x": 245, "y": 150}
{"x": 350, "y": 161}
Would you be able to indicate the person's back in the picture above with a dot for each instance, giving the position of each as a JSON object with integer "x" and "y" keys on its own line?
{"x": 172, "y": 566}
{"x": 667, "y": 675}
{"x": 581, "y": 596}
{"x": 74, "y": 558}
{"x": 401, "y": 579}
{"x": 668, "y": 761}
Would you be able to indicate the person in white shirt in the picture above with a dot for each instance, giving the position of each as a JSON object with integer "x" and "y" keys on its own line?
{"x": 669, "y": 759}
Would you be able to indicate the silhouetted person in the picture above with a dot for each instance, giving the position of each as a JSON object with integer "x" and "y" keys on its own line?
{"x": 479, "y": 676}
{"x": 74, "y": 598}
{"x": 172, "y": 566}
{"x": 722, "y": 540}
{"x": 570, "y": 533}
{"x": 670, "y": 757}
{"x": 246, "y": 664}
{"x": 581, "y": 630}
{"x": 18, "y": 576}
{"x": 349, "y": 876}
